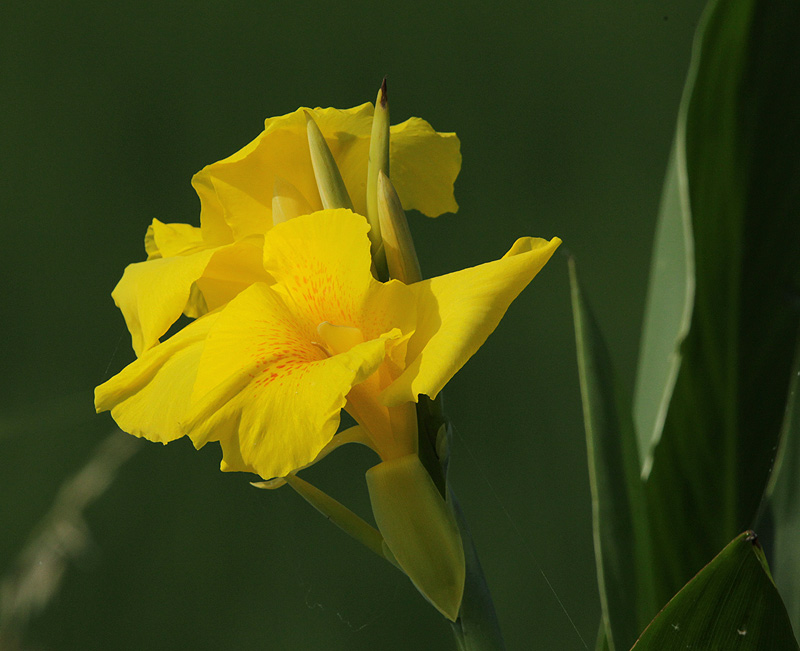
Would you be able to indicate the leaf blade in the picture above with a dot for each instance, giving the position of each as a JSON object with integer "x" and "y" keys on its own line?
{"x": 619, "y": 522}
{"x": 731, "y": 604}
{"x": 713, "y": 457}
{"x": 783, "y": 501}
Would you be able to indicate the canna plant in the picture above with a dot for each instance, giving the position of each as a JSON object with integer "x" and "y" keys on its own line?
{"x": 306, "y": 299}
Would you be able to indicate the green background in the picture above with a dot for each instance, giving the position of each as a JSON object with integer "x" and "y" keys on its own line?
{"x": 566, "y": 112}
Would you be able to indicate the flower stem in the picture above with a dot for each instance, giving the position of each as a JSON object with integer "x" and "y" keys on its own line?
{"x": 477, "y": 627}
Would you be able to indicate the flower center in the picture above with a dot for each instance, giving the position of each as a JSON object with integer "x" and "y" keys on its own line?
{"x": 338, "y": 339}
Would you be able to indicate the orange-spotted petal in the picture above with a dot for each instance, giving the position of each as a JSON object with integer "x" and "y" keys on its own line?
{"x": 321, "y": 262}
{"x": 267, "y": 381}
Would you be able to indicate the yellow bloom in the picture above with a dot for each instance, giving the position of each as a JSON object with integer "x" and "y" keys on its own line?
{"x": 268, "y": 374}
{"x": 196, "y": 270}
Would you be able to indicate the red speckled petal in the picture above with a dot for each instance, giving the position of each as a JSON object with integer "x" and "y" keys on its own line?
{"x": 265, "y": 379}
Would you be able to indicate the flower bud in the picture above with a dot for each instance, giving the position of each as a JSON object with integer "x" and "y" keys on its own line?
{"x": 287, "y": 202}
{"x": 378, "y": 162}
{"x": 401, "y": 256}
{"x": 331, "y": 187}
{"x": 419, "y": 530}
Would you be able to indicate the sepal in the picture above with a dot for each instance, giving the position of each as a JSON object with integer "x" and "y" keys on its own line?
{"x": 420, "y": 530}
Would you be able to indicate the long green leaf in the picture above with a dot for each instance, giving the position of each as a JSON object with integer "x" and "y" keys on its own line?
{"x": 620, "y": 524}
{"x": 732, "y": 604}
{"x": 670, "y": 298}
{"x": 783, "y": 500}
{"x": 739, "y": 132}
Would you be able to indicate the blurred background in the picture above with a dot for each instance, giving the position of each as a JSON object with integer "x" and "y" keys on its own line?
{"x": 565, "y": 111}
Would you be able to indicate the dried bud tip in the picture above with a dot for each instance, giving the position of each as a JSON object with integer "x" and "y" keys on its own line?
{"x": 384, "y": 94}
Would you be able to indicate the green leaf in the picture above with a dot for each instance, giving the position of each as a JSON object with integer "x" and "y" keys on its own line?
{"x": 738, "y": 133}
{"x": 602, "y": 639}
{"x": 783, "y": 500}
{"x": 670, "y": 298}
{"x": 732, "y": 604}
{"x": 619, "y": 521}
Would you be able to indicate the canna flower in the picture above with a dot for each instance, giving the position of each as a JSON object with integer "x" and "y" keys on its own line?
{"x": 195, "y": 270}
{"x": 267, "y": 374}
{"x": 292, "y": 323}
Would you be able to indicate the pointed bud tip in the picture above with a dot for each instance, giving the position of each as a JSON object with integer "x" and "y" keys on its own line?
{"x": 384, "y": 93}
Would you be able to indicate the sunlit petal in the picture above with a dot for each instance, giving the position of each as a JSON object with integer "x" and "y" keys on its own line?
{"x": 236, "y": 193}
{"x": 458, "y": 311}
{"x": 265, "y": 379}
{"x": 150, "y": 397}
{"x": 153, "y": 294}
{"x": 167, "y": 240}
{"x": 424, "y": 166}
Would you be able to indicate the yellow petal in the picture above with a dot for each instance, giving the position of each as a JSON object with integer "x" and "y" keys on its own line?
{"x": 263, "y": 379}
{"x": 168, "y": 240}
{"x": 232, "y": 269}
{"x": 246, "y": 179}
{"x": 457, "y": 312}
{"x": 150, "y": 397}
{"x": 287, "y": 202}
{"x": 424, "y": 166}
{"x": 322, "y": 263}
{"x": 232, "y": 458}
{"x": 355, "y": 434}
{"x": 214, "y": 228}
{"x": 154, "y": 293}
{"x": 237, "y": 191}
{"x": 243, "y": 213}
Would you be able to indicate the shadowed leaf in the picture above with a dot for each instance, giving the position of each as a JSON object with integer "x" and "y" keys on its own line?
{"x": 783, "y": 500}
{"x": 731, "y": 605}
{"x": 619, "y": 521}
{"x": 736, "y": 141}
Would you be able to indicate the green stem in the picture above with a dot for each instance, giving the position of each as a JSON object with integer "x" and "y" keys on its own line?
{"x": 477, "y": 627}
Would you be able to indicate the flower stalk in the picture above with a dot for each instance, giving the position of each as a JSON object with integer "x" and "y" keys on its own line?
{"x": 477, "y": 627}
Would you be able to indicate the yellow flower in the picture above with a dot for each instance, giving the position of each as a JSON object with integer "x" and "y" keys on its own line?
{"x": 197, "y": 270}
{"x": 268, "y": 374}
